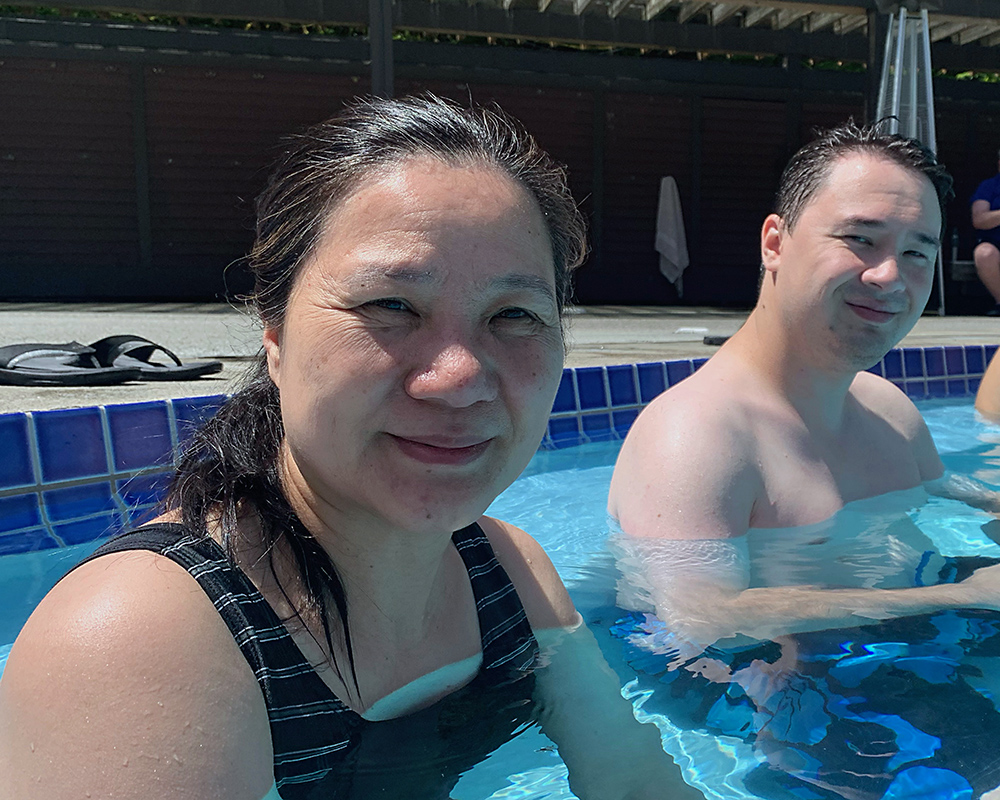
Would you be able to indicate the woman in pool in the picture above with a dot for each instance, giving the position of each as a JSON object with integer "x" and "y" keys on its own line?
{"x": 323, "y": 609}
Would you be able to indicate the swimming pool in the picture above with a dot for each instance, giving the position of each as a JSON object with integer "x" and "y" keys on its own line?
{"x": 560, "y": 501}
{"x": 69, "y": 478}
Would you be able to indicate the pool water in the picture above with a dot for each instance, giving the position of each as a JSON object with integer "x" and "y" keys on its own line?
{"x": 560, "y": 500}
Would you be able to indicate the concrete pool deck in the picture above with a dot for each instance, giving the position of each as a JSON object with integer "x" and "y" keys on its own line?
{"x": 598, "y": 335}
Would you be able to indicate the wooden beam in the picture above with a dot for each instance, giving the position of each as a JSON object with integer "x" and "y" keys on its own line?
{"x": 507, "y": 4}
{"x": 615, "y": 7}
{"x": 850, "y": 23}
{"x": 655, "y": 7}
{"x": 755, "y": 15}
{"x": 723, "y": 11}
{"x": 977, "y": 32}
{"x": 579, "y": 6}
{"x": 946, "y": 30}
{"x": 543, "y": 5}
{"x": 818, "y": 21}
{"x": 786, "y": 17}
{"x": 689, "y": 10}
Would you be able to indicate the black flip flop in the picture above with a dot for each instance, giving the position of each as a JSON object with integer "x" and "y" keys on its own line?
{"x": 135, "y": 352}
{"x": 70, "y": 364}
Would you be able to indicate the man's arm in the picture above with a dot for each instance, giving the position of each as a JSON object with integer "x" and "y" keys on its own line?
{"x": 673, "y": 486}
{"x": 983, "y": 218}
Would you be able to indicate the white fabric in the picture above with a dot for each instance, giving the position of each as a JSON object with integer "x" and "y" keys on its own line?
{"x": 671, "y": 243}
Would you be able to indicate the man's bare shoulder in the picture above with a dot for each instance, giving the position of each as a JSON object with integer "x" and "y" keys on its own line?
{"x": 688, "y": 468}
{"x": 889, "y": 404}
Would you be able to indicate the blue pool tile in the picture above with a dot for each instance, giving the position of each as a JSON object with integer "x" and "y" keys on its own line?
{"x": 877, "y": 369}
{"x": 597, "y": 427}
{"x": 915, "y": 388}
{"x": 140, "y": 435}
{"x": 20, "y": 511}
{"x": 565, "y": 432}
{"x": 565, "y": 395}
{"x": 913, "y": 363}
{"x": 192, "y": 412}
{"x": 26, "y": 541}
{"x": 621, "y": 382}
{"x": 590, "y": 385}
{"x": 678, "y": 371}
{"x": 651, "y": 380}
{"x": 934, "y": 361}
{"x": 988, "y": 351}
{"x": 974, "y": 385}
{"x": 974, "y": 359}
{"x": 937, "y": 388}
{"x": 954, "y": 360}
{"x": 957, "y": 387}
{"x": 143, "y": 490}
{"x": 71, "y": 444}
{"x": 698, "y": 363}
{"x": 15, "y": 463}
{"x": 623, "y": 420}
{"x": 893, "y": 363}
{"x": 88, "y": 530}
{"x": 78, "y": 501}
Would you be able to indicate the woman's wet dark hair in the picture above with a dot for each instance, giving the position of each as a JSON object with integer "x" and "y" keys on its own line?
{"x": 230, "y": 470}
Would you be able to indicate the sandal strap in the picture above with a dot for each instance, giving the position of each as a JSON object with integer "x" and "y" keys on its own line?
{"x": 111, "y": 347}
{"x": 14, "y": 354}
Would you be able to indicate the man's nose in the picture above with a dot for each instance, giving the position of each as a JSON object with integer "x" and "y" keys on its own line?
{"x": 884, "y": 273}
{"x": 453, "y": 372}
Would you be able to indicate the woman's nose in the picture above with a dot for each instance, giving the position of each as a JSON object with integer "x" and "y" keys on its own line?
{"x": 454, "y": 374}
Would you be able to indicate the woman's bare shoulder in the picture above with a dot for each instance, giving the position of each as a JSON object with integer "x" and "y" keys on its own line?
{"x": 538, "y": 585}
{"x": 126, "y": 682}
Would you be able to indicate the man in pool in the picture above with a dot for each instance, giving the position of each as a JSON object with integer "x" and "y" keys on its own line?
{"x": 728, "y": 489}
{"x": 783, "y": 426}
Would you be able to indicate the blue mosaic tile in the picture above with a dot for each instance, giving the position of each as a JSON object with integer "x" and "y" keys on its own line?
{"x": 651, "y": 380}
{"x": 621, "y": 382}
{"x": 937, "y": 388}
{"x": 597, "y": 427}
{"x": 957, "y": 387}
{"x": 915, "y": 388}
{"x": 564, "y": 432}
{"x": 26, "y": 541}
{"x": 974, "y": 385}
{"x": 877, "y": 369}
{"x": 78, "y": 501}
{"x": 71, "y": 444}
{"x": 678, "y": 371}
{"x": 142, "y": 515}
{"x": 954, "y": 360}
{"x": 142, "y": 490}
{"x": 934, "y": 361}
{"x": 140, "y": 435}
{"x": 192, "y": 412}
{"x": 590, "y": 385}
{"x": 565, "y": 397}
{"x": 974, "y": 359}
{"x": 15, "y": 464}
{"x": 623, "y": 420}
{"x": 20, "y": 511}
{"x": 913, "y": 363}
{"x": 698, "y": 363}
{"x": 893, "y": 364}
{"x": 989, "y": 350}
{"x": 88, "y": 530}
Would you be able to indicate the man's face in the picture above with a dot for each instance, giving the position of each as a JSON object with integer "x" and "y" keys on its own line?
{"x": 853, "y": 276}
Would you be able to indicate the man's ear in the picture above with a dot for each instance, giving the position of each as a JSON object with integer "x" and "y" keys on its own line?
{"x": 272, "y": 350}
{"x": 772, "y": 235}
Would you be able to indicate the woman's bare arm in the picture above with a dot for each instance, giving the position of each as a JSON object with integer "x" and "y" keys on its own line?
{"x": 126, "y": 683}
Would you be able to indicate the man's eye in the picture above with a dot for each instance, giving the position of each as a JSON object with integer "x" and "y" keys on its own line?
{"x": 390, "y": 304}
{"x": 516, "y": 313}
{"x": 859, "y": 239}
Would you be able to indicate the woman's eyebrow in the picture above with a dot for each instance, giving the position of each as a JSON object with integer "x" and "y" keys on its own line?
{"x": 520, "y": 281}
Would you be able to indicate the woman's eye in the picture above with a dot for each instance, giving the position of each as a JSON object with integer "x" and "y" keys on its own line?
{"x": 390, "y": 304}
{"x": 516, "y": 314}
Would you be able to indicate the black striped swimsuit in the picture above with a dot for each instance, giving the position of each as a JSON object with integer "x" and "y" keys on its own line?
{"x": 323, "y": 749}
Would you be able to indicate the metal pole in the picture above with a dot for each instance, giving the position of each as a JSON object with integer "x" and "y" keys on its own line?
{"x": 883, "y": 88}
{"x": 380, "y": 42}
{"x": 897, "y": 88}
{"x": 931, "y": 140}
{"x": 911, "y": 42}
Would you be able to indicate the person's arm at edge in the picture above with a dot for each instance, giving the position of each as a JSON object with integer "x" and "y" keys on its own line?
{"x": 988, "y": 394}
{"x": 983, "y": 217}
{"x": 125, "y": 682}
{"x": 608, "y": 753}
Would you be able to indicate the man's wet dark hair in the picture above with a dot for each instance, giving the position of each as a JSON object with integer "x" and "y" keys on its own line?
{"x": 811, "y": 165}
{"x": 230, "y": 471}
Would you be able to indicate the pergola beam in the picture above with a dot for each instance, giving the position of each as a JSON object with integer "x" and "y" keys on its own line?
{"x": 615, "y": 7}
{"x": 849, "y": 23}
{"x": 976, "y": 32}
{"x": 755, "y": 15}
{"x": 946, "y": 30}
{"x": 786, "y": 17}
{"x": 688, "y": 10}
{"x": 723, "y": 11}
{"x": 818, "y": 21}
{"x": 656, "y": 7}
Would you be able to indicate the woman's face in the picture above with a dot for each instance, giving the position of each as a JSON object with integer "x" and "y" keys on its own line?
{"x": 421, "y": 349}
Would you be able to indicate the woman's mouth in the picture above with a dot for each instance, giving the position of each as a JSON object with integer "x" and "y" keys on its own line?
{"x": 437, "y": 450}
